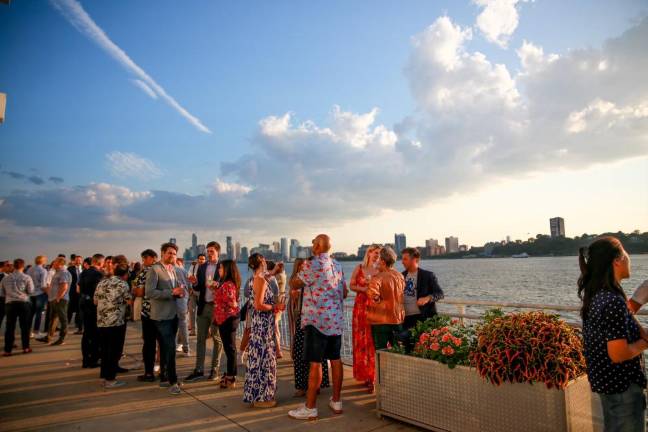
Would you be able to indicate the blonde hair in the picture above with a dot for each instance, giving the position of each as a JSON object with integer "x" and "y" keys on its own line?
{"x": 59, "y": 260}
{"x": 40, "y": 260}
{"x": 365, "y": 261}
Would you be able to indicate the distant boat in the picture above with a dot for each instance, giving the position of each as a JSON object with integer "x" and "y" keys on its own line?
{"x": 522, "y": 255}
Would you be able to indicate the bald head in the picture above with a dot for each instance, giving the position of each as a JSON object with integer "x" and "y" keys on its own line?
{"x": 321, "y": 244}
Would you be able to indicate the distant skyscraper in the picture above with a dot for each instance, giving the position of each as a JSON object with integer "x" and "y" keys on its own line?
{"x": 285, "y": 252}
{"x": 230, "y": 247}
{"x": 557, "y": 227}
{"x": 194, "y": 241}
{"x": 244, "y": 254}
{"x": 276, "y": 247}
{"x": 172, "y": 240}
{"x": 294, "y": 246}
{"x": 508, "y": 239}
{"x": 400, "y": 243}
{"x": 430, "y": 246}
{"x": 451, "y": 244}
{"x": 237, "y": 251}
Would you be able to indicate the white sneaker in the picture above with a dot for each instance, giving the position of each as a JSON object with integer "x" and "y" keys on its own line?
{"x": 178, "y": 348}
{"x": 336, "y": 407}
{"x": 303, "y": 413}
{"x": 156, "y": 368}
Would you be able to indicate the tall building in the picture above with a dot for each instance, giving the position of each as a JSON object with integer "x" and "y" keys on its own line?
{"x": 430, "y": 246}
{"x": 237, "y": 251}
{"x": 294, "y": 246}
{"x": 276, "y": 247}
{"x": 229, "y": 247}
{"x": 194, "y": 241}
{"x": 451, "y": 244}
{"x": 172, "y": 240}
{"x": 557, "y": 227}
{"x": 244, "y": 255}
{"x": 400, "y": 243}
{"x": 285, "y": 252}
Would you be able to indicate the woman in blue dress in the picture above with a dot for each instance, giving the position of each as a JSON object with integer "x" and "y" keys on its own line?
{"x": 261, "y": 373}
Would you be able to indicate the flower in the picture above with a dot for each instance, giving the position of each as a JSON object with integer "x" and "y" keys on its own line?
{"x": 457, "y": 341}
{"x": 435, "y": 347}
{"x": 446, "y": 337}
{"x": 448, "y": 350}
{"x": 454, "y": 321}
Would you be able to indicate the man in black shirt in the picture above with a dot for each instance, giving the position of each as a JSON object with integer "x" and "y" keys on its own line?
{"x": 88, "y": 282}
{"x": 73, "y": 307}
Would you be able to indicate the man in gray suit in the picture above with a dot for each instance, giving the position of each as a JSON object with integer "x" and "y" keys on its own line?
{"x": 163, "y": 287}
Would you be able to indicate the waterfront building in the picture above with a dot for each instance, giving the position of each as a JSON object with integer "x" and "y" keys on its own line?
{"x": 451, "y": 244}
{"x": 294, "y": 245}
{"x": 229, "y": 249}
{"x": 285, "y": 252}
{"x": 557, "y": 227}
{"x": 237, "y": 251}
{"x": 172, "y": 240}
{"x": 463, "y": 248}
{"x": 243, "y": 257}
{"x": 276, "y": 247}
{"x": 430, "y": 246}
{"x": 400, "y": 243}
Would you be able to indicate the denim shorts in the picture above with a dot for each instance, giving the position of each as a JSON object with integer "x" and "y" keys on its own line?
{"x": 625, "y": 412}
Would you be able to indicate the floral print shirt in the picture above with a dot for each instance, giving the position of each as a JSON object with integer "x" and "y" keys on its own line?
{"x": 111, "y": 296}
{"x": 323, "y": 297}
{"x": 140, "y": 282}
{"x": 225, "y": 302}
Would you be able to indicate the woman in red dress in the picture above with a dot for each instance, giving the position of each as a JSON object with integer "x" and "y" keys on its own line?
{"x": 364, "y": 362}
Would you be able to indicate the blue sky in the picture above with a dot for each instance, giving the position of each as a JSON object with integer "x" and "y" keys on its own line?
{"x": 73, "y": 111}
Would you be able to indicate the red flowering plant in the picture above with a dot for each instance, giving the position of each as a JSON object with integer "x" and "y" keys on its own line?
{"x": 444, "y": 340}
{"x": 528, "y": 347}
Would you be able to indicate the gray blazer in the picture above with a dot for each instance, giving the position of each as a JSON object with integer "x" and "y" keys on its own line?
{"x": 159, "y": 290}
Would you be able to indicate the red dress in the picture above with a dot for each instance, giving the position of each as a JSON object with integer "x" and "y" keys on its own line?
{"x": 364, "y": 360}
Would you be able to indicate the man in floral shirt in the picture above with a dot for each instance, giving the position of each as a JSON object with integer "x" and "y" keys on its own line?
{"x": 111, "y": 297}
{"x": 324, "y": 290}
{"x": 149, "y": 333}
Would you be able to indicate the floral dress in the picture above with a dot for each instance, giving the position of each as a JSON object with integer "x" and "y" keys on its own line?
{"x": 261, "y": 374}
{"x": 364, "y": 352}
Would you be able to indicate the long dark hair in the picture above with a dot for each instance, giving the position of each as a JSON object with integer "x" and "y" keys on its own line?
{"x": 255, "y": 260}
{"x": 231, "y": 273}
{"x": 597, "y": 270}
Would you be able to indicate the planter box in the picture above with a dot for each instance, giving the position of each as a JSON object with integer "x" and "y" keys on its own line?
{"x": 428, "y": 394}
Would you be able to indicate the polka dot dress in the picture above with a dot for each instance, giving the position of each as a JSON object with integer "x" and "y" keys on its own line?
{"x": 301, "y": 366}
{"x": 609, "y": 319}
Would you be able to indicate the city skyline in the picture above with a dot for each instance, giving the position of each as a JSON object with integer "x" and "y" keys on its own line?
{"x": 358, "y": 119}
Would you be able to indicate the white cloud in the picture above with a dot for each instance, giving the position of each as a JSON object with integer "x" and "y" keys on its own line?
{"x": 130, "y": 165}
{"x": 79, "y": 18}
{"x": 601, "y": 115}
{"x": 145, "y": 88}
{"x": 231, "y": 189}
{"x": 498, "y": 20}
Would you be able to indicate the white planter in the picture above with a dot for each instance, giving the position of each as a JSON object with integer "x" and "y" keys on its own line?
{"x": 429, "y": 394}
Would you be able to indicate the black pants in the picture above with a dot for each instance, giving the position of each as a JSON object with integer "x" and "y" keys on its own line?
{"x": 75, "y": 309}
{"x": 112, "y": 342}
{"x": 20, "y": 311}
{"x": 90, "y": 338}
{"x": 2, "y": 309}
{"x": 227, "y": 332}
{"x": 167, "y": 330}
{"x": 150, "y": 338}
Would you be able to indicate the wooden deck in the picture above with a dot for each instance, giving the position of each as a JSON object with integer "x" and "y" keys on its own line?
{"x": 48, "y": 390}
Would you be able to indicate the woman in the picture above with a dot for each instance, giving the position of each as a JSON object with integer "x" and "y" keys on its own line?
{"x": 261, "y": 374}
{"x": 226, "y": 316}
{"x": 614, "y": 340}
{"x": 301, "y": 367}
{"x": 364, "y": 367}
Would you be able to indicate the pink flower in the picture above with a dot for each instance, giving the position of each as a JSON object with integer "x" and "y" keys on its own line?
{"x": 446, "y": 337}
{"x": 457, "y": 341}
{"x": 448, "y": 351}
{"x": 435, "y": 347}
{"x": 435, "y": 332}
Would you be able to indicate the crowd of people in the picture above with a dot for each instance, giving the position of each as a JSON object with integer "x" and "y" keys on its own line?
{"x": 209, "y": 301}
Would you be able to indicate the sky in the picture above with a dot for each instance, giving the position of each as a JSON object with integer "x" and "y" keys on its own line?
{"x": 128, "y": 123}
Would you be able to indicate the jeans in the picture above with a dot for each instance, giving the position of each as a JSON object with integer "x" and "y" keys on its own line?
{"x": 20, "y": 311}
{"x": 112, "y": 343}
{"x": 384, "y": 334}
{"x": 204, "y": 322}
{"x": 90, "y": 338}
{"x": 183, "y": 329}
{"x": 227, "y": 331}
{"x": 193, "y": 308}
{"x": 150, "y": 339}
{"x": 58, "y": 310}
{"x": 625, "y": 412}
{"x": 167, "y": 330}
{"x": 38, "y": 306}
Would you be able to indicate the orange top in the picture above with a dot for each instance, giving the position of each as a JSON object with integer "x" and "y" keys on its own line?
{"x": 385, "y": 294}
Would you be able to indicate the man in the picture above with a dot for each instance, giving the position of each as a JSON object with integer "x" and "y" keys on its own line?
{"x": 162, "y": 289}
{"x": 108, "y": 266}
{"x": 203, "y": 284}
{"x": 73, "y": 306}
{"x": 193, "y": 297}
{"x": 149, "y": 332}
{"x": 324, "y": 290}
{"x": 38, "y": 298}
{"x": 58, "y": 297}
{"x": 4, "y": 270}
{"x": 422, "y": 289}
{"x": 88, "y": 282}
{"x": 386, "y": 311}
{"x": 16, "y": 288}
{"x": 111, "y": 297}
{"x": 182, "y": 306}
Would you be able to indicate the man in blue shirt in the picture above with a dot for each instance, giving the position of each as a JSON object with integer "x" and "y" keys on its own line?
{"x": 58, "y": 297}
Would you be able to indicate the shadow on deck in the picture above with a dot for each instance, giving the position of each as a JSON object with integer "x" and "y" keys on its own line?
{"x": 48, "y": 390}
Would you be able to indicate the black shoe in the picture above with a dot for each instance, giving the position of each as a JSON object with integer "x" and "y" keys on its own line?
{"x": 146, "y": 378}
{"x": 195, "y": 376}
{"x": 59, "y": 342}
{"x": 121, "y": 370}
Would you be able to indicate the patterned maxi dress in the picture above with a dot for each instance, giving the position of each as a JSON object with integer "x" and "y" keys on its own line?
{"x": 261, "y": 374}
{"x": 364, "y": 361}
